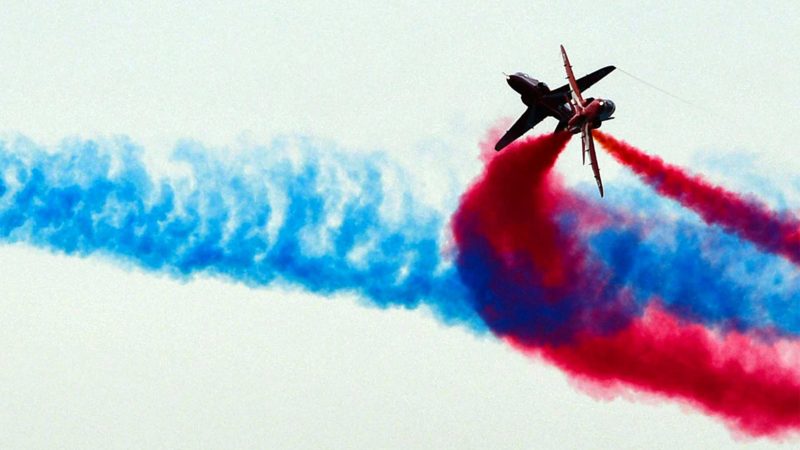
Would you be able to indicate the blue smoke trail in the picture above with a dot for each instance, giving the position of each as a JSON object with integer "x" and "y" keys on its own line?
{"x": 699, "y": 272}
{"x": 293, "y": 215}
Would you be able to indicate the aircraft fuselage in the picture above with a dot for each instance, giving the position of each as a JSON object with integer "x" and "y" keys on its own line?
{"x": 530, "y": 89}
{"x": 595, "y": 112}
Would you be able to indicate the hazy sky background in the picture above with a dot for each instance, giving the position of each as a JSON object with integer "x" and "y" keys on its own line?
{"x": 98, "y": 355}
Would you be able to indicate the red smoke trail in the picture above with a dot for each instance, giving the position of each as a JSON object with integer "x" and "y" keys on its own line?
{"x": 755, "y": 387}
{"x": 520, "y": 226}
{"x": 746, "y": 218}
{"x": 541, "y": 289}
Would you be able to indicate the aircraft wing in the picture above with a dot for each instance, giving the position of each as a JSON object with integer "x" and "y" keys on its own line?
{"x": 584, "y": 82}
{"x": 587, "y": 142}
{"x": 526, "y": 121}
{"x": 576, "y": 90}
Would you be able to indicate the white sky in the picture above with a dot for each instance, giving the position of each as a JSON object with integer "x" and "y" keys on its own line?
{"x": 101, "y": 356}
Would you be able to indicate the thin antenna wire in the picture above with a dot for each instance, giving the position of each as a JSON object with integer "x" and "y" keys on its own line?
{"x": 687, "y": 102}
{"x": 734, "y": 123}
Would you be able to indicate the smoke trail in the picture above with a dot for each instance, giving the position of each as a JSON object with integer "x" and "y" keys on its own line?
{"x": 701, "y": 274}
{"x": 754, "y": 386}
{"x": 527, "y": 277}
{"x": 747, "y": 218}
{"x": 596, "y": 290}
{"x": 525, "y": 250}
{"x": 289, "y": 214}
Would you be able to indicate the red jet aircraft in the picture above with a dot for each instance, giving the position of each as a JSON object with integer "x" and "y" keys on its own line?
{"x": 586, "y": 115}
{"x": 566, "y": 104}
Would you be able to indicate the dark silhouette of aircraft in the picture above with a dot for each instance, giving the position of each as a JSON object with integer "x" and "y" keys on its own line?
{"x": 566, "y": 104}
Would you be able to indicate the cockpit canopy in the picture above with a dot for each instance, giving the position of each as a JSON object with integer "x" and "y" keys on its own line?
{"x": 607, "y": 108}
{"x": 531, "y": 80}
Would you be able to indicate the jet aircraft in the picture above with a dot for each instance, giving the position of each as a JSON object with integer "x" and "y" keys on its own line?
{"x": 587, "y": 115}
{"x": 566, "y": 104}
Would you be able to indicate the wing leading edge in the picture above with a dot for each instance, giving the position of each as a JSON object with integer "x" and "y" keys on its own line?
{"x": 526, "y": 121}
{"x": 586, "y": 81}
{"x": 575, "y": 90}
{"x": 587, "y": 142}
